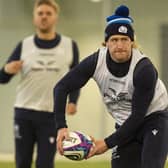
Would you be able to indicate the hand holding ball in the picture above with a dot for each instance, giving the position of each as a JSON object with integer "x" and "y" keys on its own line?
{"x": 77, "y": 146}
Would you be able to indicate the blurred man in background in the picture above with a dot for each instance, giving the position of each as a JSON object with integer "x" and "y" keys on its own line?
{"x": 133, "y": 93}
{"x": 42, "y": 59}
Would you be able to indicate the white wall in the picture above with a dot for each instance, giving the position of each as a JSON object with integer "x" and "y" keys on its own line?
{"x": 84, "y": 22}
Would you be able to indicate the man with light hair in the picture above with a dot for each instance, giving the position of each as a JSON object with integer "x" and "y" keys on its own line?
{"x": 133, "y": 93}
{"x": 42, "y": 59}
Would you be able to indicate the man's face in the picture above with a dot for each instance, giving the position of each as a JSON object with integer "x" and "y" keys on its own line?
{"x": 45, "y": 18}
{"x": 120, "y": 47}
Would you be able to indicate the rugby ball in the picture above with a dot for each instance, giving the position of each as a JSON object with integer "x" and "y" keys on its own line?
{"x": 77, "y": 146}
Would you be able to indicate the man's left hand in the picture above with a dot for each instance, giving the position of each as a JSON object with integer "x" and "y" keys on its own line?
{"x": 98, "y": 148}
{"x": 71, "y": 108}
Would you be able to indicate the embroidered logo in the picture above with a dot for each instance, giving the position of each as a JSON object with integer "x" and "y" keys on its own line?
{"x": 51, "y": 140}
{"x": 116, "y": 98}
{"x": 41, "y": 65}
{"x": 122, "y": 29}
{"x": 17, "y": 132}
{"x": 154, "y": 131}
{"x": 115, "y": 155}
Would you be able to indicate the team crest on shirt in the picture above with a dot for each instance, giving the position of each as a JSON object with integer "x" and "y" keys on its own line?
{"x": 114, "y": 97}
{"x": 117, "y": 103}
{"x": 41, "y": 65}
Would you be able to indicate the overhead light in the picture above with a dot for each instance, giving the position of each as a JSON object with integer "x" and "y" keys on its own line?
{"x": 95, "y": 0}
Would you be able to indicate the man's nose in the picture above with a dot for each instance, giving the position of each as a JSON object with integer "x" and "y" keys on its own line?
{"x": 119, "y": 43}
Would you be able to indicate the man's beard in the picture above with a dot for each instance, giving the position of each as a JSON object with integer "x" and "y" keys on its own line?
{"x": 45, "y": 31}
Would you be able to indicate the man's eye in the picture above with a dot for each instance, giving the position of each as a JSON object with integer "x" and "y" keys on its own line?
{"x": 113, "y": 40}
{"x": 49, "y": 13}
{"x": 40, "y": 13}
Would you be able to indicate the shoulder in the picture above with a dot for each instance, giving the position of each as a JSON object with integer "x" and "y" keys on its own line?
{"x": 91, "y": 59}
{"x": 144, "y": 65}
{"x": 145, "y": 73}
{"x": 29, "y": 38}
{"x": 87, "y": 65}
{"x": 64, "y": 37}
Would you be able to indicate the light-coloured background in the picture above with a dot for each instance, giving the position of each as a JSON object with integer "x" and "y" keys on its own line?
{"x": 84, "y": 21}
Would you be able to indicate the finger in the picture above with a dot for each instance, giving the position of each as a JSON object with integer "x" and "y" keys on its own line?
{"x": 59, "y": 147}
{"x": 59, "y": 144}
{"x": 92, "y": 138}
{"x": 60, "y": 138}
{"x": 21, "y": 61}
{"x": 92, "y": 152}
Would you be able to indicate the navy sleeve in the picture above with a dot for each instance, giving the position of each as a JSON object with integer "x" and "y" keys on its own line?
{"x": 73, "y": 96}
{"x": 4, "y": 77}
{"x": 75, "y": 54}
{"x": 73, "y": 80}
{"x": 144, "y": 79}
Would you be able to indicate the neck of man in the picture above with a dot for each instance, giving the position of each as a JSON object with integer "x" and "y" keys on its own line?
{"x": 46, "y": 35}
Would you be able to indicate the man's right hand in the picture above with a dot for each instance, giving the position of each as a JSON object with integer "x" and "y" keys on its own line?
{"x": 13, "y": 67}
{"x": 62, "y": 134}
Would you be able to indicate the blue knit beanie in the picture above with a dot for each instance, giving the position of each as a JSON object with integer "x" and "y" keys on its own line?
{"x": 119, "y": 23}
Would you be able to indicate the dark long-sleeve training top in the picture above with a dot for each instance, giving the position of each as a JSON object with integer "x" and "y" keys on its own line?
{"x": 144, "y": 80}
